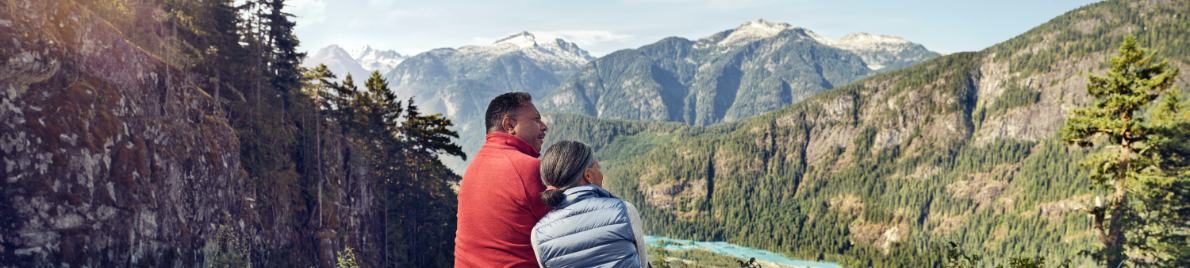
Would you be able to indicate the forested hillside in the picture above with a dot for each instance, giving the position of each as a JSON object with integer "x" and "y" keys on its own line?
{"x": 884, "y": 171}
{"x": 152, "y": 133}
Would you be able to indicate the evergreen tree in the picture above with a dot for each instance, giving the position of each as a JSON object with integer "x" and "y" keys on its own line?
{"x": 1137, "y": 166}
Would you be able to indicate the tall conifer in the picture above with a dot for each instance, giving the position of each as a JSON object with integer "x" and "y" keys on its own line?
{"x": 1136, "y": 163}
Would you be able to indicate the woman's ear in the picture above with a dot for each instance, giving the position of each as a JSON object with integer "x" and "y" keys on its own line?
{"x": 586, "y": 177}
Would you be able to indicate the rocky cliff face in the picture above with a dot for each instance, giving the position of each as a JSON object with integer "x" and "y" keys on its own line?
{"x": 111, "y": 159}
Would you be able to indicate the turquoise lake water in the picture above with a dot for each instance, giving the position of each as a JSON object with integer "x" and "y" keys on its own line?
{"x": 736, "y": 251}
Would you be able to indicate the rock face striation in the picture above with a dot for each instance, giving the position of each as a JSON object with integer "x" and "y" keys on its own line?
{"x": 111, "y": 159}
{"x": 757, "y": 67}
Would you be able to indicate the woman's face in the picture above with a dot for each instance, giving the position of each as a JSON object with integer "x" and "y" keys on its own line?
{"x": 593, "y": 175}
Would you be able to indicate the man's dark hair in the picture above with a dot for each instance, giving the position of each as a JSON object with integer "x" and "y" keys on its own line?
{"x": 506, "y": 104}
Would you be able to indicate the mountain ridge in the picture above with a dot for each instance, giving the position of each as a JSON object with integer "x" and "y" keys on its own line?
{"x": 459, "y": 82}
{"x": 735, "y": 73}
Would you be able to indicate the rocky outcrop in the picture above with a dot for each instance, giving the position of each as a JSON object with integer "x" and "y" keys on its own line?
{"x": 111, "y": 159}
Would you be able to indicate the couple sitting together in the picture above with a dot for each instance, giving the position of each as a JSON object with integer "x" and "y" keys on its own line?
{"x": 516, "y": 210}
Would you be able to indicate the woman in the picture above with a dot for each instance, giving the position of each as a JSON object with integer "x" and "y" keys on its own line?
{"x": 589, "y": 227}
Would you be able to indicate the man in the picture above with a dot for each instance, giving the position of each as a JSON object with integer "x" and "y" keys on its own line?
{"x": 500, "y": 196}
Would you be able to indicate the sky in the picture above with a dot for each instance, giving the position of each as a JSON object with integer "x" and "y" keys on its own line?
{"x": 602, "y": 27}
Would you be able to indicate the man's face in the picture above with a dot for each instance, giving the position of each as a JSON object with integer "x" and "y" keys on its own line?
{"x": 529, "y": 126}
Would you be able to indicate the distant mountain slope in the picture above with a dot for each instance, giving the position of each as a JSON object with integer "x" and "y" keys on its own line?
{"x": 737, "y": 73}
{"x": 459, "y": 83}
{"x": 883, "y": 171}
{"x": 376, "y": 60}
{"x": 881, "y": 53}
{"x": 338, "y": 60}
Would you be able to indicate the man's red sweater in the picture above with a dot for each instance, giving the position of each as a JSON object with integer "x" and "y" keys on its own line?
{"x": 499, "y": 202}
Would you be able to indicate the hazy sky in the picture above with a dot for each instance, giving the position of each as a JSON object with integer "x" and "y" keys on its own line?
{"x": 602, "y": 27}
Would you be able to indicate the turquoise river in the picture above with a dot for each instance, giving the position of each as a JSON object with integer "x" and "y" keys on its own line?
{"x": 736, "y": 251}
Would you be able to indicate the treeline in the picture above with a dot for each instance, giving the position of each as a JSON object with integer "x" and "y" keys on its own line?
{"x": 244, "y": 55}
{"x": 1084, "y": 31}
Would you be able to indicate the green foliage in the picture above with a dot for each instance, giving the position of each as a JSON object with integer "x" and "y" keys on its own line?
{"x": 244, "y": 55}
{"x": 417, "y": 205}
{"x": 1134, "y": 166}
{"x": 1014, "y": 96}
{"x": 226, "y": 248}
{"x": 1097, "y": 28}
{"x": 346, "y": 259}
{"x": 863, "y": 142}
{"x": 692, "y": 258}
{"x": 751, "y": 263}
{"x": 957, "y": 258}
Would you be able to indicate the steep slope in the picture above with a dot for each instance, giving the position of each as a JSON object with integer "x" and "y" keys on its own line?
{"x": 339, "y": 61}
{"x": 459, "y": 83}
{"x": 376, "y": 60}
{"x": 757, "y": 67}
{"x": 114, "y": 158}
{"x": 883, "y": 171}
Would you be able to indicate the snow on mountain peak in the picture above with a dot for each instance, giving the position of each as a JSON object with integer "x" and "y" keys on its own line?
{"x": 866, "y": 42}
{"x": 376, "y": 60}
{"x": 865, "y": 38}
{"x": 356, "y": 53}
{"x": 548, "y": 49}
{"x": 754, "y": 30}
{"x": 522, "y": 40}
{"x": 869, "y": 46}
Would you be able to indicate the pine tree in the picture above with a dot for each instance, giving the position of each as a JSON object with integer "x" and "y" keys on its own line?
{"x": 1135, "y": 166}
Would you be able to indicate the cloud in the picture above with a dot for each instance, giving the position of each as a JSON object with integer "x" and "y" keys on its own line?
{"x": 718, "y": 4}
{"x": 483, "y": 41}
{"x": 381, "y": 3}
{"x": 584, "y": 38}
{"x": 419, "y": 13}
{"x": 308, "y": 12}
{"x": 356, "y": 23}
{"x": 411, "y": 51}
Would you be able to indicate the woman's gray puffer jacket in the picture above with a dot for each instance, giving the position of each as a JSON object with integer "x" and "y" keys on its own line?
{"x": 590, "y": 228}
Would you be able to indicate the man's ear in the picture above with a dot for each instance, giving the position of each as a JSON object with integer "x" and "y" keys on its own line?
{"x": 508, "y": 124}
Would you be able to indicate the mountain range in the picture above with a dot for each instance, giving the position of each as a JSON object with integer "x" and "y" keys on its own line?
{"x": 763, "y": 64}
{"x": 754, "y": 68}
{"x": 357, "y": 62}
{"x": 886, "y": 170}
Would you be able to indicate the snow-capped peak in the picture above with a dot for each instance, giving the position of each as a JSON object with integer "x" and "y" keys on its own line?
{"x": 356, "y": 53}
{"x": 865, "y": 38}
{"x": 864, "y": 41}
{"x": 754, "y": 30}
{"x": 522, "y": 39}
{"x": 869, "y": 46}
{"x": 376, "y": 60}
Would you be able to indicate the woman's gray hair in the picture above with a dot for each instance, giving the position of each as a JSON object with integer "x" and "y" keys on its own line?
{"x": 562, "y": 166}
